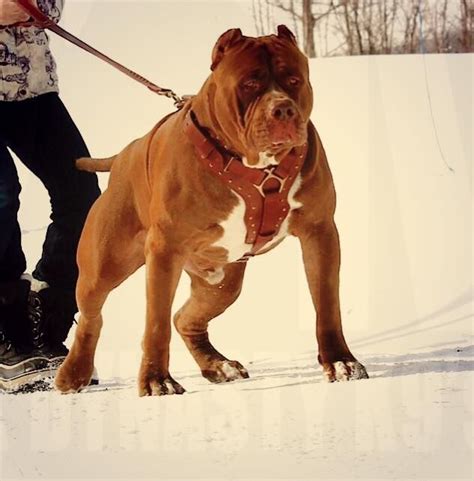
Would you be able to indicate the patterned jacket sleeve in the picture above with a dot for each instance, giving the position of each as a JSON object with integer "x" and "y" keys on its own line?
{"x": 51, "y": 8}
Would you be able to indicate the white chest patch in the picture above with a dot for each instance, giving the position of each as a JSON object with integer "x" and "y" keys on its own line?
{"x": 235, "y": 231}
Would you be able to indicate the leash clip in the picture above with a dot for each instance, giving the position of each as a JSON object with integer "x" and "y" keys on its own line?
{"x": 245, "y": 258}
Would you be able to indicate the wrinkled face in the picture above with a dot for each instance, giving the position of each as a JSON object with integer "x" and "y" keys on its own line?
{"x": 261, "y": 94}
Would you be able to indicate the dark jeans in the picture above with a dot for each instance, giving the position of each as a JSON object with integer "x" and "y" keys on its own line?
{"x": 44, "y": 137}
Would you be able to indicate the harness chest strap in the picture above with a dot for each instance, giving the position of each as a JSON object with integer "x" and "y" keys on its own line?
{"x": 264, "y": 191}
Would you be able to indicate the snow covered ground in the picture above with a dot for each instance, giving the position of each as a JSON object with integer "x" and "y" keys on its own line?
{"x": 405, "y": 220}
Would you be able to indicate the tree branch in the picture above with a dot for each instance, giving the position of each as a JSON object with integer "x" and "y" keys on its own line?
{"x": 287, "y": 8}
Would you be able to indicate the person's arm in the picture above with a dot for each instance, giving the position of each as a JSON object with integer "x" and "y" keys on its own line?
{"x": 11, "y": 13}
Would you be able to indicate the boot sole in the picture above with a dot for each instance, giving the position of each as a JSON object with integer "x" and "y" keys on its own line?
{"x": 40, "y": 379}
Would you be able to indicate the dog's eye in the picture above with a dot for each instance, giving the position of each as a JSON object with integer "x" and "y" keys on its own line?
{"x": 251, "y": 85}
{"x": 293, "y": 81}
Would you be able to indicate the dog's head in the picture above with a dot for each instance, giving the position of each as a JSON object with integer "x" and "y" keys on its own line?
{"x": 260, "y": 94}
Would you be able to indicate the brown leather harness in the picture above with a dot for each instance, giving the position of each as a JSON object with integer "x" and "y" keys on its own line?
{"x": 264, "y": 191}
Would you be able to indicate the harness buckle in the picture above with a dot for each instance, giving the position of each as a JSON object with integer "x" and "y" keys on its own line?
{"x": 269, "y": 175}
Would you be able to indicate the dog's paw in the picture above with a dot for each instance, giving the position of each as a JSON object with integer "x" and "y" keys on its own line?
{"x": 69, "y": 380}
{"x": 159, "y": 387}
{"x": 344, "y": 371}
{"x": 225, "y": 371}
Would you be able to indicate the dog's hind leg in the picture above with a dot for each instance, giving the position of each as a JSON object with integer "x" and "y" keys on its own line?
{"x": 106, "y": 257}
{"x": 207, "y": 302}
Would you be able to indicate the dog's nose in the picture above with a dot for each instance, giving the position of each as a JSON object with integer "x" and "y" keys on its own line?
{"x": 283, "y": 111}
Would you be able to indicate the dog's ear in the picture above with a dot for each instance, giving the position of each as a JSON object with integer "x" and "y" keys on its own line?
{"x": 285, "y": 32}
{"x": 224, "y": 42}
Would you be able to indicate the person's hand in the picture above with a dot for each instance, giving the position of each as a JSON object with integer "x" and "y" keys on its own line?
{"x": 11, "y": 12}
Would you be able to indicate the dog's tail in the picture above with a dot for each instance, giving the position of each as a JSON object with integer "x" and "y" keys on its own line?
{"x": 95, "y": 165}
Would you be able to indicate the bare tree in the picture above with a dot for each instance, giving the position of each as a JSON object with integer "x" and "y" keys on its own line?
{"x": 365, "y": 27}
{"x": 307, "y": 14}
{"x": 348, "y": 25}
{"x": 258, "y": 18}
{"x": 467, "y": 14}
{"x": 256, "y": 21}
{"x": 294, "y": 17}
{"x": 440, "y": 33}
{"x": 308, "y": 21}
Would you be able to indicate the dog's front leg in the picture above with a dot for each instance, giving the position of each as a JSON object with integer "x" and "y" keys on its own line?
{"x": 163, "y": 269}
{"x": 321, "y": 255}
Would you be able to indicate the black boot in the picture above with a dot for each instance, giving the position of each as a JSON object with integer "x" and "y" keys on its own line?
{"x": 21, "y": 363}
{"x": 51, "y": 314}
{"x": 34, "y": 323}
{"x": 14, "y": 310}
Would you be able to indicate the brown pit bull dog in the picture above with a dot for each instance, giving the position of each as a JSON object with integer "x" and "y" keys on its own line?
{"x": 228, "y": 176}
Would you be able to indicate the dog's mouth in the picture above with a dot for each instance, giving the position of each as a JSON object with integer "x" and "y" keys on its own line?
{"x": 276, "y": 139}
{"x": 276, "y": 147}
{"x": 269, "y": 152}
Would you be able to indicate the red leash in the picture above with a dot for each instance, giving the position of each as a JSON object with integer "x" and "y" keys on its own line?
{"x": 42, "y": 21}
